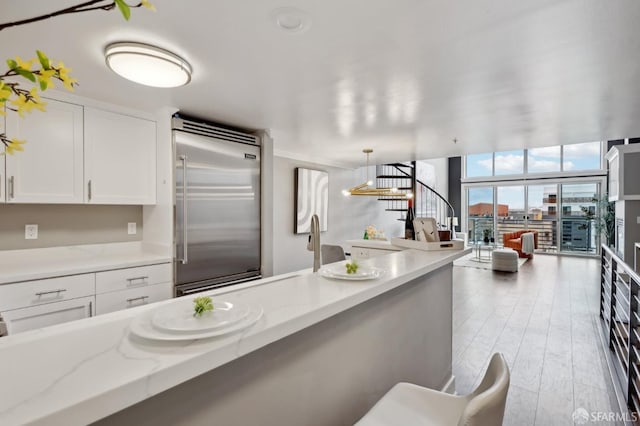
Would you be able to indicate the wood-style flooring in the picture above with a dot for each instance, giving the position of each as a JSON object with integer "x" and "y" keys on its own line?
{"x": 543, "y": 319}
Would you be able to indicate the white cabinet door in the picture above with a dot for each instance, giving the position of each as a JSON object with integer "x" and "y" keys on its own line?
{"x": 125, "y": 299}
{"x": 120, "y": 158}
{"x": 25, "y": 319}
{"x": 50, "y": 169}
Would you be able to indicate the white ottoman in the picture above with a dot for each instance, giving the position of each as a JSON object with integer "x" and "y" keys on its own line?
{"x": 504, "y": 260}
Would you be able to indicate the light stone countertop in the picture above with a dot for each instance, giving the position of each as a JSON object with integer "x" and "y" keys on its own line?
{"x": 33, "y": 264}
{"x": 79, "y": 372}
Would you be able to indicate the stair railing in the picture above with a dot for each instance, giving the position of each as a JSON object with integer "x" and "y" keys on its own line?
{"x": 427, "y": 201}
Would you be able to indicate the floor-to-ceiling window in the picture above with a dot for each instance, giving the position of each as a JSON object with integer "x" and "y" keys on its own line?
{"x": 551, "y": 190}
{"x": 480, "y": 213}
{"x": 512, "y": 213}
{"x": 543, "y": 215}
{"x": 578, "y": 213}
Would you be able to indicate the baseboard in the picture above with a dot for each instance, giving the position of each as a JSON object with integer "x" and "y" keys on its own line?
{"x": 450, "y": 386}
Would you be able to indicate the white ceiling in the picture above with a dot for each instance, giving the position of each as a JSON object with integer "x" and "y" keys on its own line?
{"x": 404, "y": 77}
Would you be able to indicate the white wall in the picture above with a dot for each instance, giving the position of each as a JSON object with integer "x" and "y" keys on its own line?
{"x": 348, "y": 216}
{"x": 435, "y": 173}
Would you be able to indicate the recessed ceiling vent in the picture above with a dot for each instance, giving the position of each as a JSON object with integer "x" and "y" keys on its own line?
{"x": 212, "y": 130}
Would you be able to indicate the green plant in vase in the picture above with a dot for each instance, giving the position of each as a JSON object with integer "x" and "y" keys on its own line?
{"x": 602, "y": 217}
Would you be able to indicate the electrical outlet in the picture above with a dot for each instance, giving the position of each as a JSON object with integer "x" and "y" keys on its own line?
{"x": 31, "y": 232}
{"x": 131, "y": 228}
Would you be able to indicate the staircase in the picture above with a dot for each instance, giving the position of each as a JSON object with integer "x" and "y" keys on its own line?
{"x": 427, "y": 201}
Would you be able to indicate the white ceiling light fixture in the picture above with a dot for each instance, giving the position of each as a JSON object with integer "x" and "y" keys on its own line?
{"x": 291, "y": 19}
{"x": 147, "y": 65}
{"x": 367, "y": 188}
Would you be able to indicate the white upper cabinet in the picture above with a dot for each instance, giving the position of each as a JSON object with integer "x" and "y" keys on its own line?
{"x": 50, "y": 168}
{"x": 120, "y": 158}
{"x": 624, "y": 172}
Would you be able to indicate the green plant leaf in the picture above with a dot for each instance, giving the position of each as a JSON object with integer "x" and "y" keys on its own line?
{"x": 43, "y": 85}
{"x": 44, "y": 61}
{"x": 26, "y": 74}
{"x": 12, "y": 64}
{"x": 124, "y": 8}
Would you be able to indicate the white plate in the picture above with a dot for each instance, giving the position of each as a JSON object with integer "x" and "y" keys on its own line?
{"x": 141, "y": 326}
{"x": 179, "y": 316}
{"x": 339, "y": 272}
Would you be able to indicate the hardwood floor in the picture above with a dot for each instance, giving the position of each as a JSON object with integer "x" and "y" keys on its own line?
{"x": 543, "y": 320}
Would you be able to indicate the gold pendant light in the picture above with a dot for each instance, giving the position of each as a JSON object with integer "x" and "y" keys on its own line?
{"x": 367, "y": 188}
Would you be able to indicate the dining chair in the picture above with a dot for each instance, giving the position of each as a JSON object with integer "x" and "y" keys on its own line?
{"x": 331, "y": 253}
{"x": 407, "y": 404}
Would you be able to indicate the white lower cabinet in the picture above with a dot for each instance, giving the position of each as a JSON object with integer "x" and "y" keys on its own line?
{"x": 125, "y": 299}
{"x": 35, "y": 304}
{"x": 50, "y": 290}
{"x": 25, "y": 319}
{"x": 141, "y": 276}
{"x": 130, "y": 287}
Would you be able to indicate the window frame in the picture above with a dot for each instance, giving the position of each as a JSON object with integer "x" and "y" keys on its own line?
{"x": 602, "y": 171}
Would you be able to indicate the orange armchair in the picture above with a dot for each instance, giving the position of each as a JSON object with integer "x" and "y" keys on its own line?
{"x": 513, "y": 240}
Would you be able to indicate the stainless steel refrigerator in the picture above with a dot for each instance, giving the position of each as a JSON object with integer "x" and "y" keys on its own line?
{"x": 217, "y": 206}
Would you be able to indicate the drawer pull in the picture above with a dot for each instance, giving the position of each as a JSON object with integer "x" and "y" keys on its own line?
{"x": 44, "y": 293}
{"x": 131, "y": 280}
{"x": 135, "y": 299}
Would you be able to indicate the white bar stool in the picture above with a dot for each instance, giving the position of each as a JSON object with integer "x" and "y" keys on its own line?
{"x": 407, "y": 404}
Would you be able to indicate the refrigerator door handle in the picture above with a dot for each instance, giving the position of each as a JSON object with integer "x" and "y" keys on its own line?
{"x": 185, "y": 258}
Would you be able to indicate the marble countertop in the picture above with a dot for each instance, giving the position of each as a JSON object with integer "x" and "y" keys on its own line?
{"x": 79, "y": 372}
{"x": 33, "y": 264}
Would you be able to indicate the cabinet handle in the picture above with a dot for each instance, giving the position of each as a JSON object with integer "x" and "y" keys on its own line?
{"x": 11, "y": 185}
{"x": 43, "y": 293}
{"x": 135, "y": 299}
{"x": 131, "y": 280}
{"x": 185, "y": 223}
{"x": 89, "y": 190}
{"x": 90, "y": 308}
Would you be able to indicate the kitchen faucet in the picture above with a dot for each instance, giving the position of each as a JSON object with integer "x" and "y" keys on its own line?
{"x": 314, "y": 242}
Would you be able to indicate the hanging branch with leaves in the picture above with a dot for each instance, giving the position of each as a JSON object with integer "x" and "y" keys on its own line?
{"x": 15, "y": 97}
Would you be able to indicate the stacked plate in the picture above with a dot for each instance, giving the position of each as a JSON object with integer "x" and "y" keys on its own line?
{"x": 339, "y": 272}
{"x": 176, "y": 321}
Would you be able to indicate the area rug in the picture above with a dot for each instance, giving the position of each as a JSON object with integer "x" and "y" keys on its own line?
{"x": 470, "y": 262}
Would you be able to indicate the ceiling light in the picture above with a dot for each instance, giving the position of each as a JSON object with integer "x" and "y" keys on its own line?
{"x": 148, "y": 65}
{"x": 367, "y": 188}
{"x": 291, "y": 19}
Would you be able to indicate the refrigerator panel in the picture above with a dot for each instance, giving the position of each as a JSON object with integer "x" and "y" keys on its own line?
{"x": 222, "y": 212}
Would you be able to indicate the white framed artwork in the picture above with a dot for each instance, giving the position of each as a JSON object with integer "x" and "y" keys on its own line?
{"x": 312, "y": 197}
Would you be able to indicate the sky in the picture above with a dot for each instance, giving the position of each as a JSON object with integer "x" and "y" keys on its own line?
{"x": 584, "y": 156}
